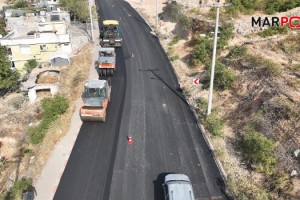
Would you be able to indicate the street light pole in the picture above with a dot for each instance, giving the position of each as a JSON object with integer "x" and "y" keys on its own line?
{"x": 212, "y": 73}
{"x": 91, "y": 18}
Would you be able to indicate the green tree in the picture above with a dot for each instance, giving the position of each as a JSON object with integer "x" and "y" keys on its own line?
{"x": 2, "y": 27}
{"x": 78, "y": 8}
{"x": 8, "y": 78}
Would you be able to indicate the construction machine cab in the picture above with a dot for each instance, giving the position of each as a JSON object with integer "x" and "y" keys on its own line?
{"x": 110, "y": 34}
{"x": 94, "y": 90}
{"x": 95, "y": 97}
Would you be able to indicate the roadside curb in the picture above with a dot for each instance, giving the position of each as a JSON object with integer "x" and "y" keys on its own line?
{"x": 211, "y": 147}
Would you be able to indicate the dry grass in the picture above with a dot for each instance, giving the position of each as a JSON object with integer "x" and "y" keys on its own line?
{"x": 72, "y": 90}
{"x": 49, "y": 79}
{"x": 21, "y": 114}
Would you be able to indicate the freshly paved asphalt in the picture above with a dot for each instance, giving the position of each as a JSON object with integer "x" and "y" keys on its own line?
{"x": 146, "y": 104}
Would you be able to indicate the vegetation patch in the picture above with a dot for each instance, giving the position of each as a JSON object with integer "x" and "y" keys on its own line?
{"x": 214, "y": 125}
{"x": 203, "y": 47}
{"x": 238, "y": 56}
{"x": 177, "y": 15}
{"x": 20, "y": 186}
{"x": 274, "y": 30}
{"x": 8, "y": 78}
{"x": 53, "y": 108}
{"x": 30, "y": 65}
{"x": 268, "y": 6}
{"x": 223, "y": 79}
{"x": 257, "y": 148}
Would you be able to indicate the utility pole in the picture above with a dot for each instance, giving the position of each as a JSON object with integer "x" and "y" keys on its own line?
{"x": 91, "y": 18}
{"x": 212, "y": 73}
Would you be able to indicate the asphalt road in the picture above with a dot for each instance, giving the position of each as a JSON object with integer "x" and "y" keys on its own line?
{"x": 148, "y": 105}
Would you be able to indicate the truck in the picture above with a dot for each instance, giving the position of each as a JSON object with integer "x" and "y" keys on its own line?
{"x": 95, "y": 99}
{"x": 107, "y": 61}
{"x": 110, "y": 34}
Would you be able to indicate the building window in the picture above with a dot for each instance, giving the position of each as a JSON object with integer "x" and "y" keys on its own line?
{"x": 25, "y": 49}
{"x": 43, "y": 47}
{"x": 9, "y": 51}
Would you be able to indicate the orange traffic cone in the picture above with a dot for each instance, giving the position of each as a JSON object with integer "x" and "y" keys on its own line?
{"x": 130, "y": 140}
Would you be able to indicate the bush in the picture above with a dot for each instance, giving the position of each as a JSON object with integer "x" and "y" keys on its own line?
{"x": 272, "y": 69}
{"x": 269, "y": 68}
{"x": 202, "y": 105}
{"x": 53, "y": 107}
{"x": 30, "y": 65}
{"x": 19, "y": 187}
{"x": 173, "y": 58}
{"x": 237, "y": 52}
{"x": 257, "y": 148}
{"x": 226, "y": 33}
{"x": 202, "y": 51}
{"x": 274, "y": 30}
{"x": 28, "y": 152}
{"x": 269, "y": 6}
{"x": 20, "y": 4}
{"x": 214, "y": 125}
{"x": 174, "y": 40}
{"x": 223, "y": 79}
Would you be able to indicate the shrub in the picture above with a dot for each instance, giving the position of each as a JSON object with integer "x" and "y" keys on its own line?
{"x": 201, "y": 105}
{"x": 30, "y": 65}
{"x": 36, "y": 134}
{"x": 223, "y": 79}
{"x": 236, "y": 52}
{"x": 274, "y": 30}
{"x": 173, "y": 58}
{"x": 226, "y": 33}
{"x": 268, "y": 67}
{"x": 174, "y": 40}
{"x": 28, "y": 152}
{"x": 21, "y": 4}
{"x": 202, "y": 51}
{"x": 271, "y": 68}
{"x": 214, "y": 125}
{"x": 257, "y": 148}
{"x": 53, "y": 107}
{"x": 19, "y": 187}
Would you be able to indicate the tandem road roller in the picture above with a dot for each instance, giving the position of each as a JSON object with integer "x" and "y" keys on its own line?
{"x": 96, "y": 97}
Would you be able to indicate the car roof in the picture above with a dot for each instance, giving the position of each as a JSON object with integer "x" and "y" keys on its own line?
{"x": 179, "y": 187}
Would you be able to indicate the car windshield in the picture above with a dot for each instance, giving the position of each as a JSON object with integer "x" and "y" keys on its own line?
{"x": 94, "y": 92}
{"x": 106, "y": 54}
